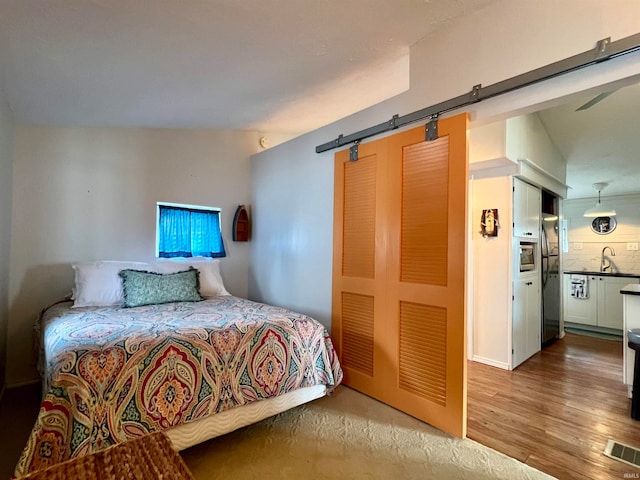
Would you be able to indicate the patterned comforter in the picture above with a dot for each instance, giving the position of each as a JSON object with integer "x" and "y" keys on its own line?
{"x": 112, "y": 374}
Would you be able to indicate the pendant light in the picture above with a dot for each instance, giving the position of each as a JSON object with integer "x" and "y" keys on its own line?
{"x": 599, "y": 210}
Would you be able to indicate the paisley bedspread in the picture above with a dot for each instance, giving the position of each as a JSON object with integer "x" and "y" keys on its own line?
{"x": 112, "y": 374}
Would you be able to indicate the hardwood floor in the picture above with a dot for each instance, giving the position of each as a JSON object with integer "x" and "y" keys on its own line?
{"x": 557, "y": 410}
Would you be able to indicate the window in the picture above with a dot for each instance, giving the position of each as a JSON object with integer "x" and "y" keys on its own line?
{"x": 188, "y": 231}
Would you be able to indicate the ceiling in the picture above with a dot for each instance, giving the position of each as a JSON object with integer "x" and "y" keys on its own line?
{"x": 278, "y": 66}
{"x": 286, "y": 66}
{"x": 601, "y": 143}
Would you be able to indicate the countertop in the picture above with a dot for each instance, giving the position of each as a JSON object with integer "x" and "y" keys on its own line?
{"x": 601, "y": 274}
{"x": 631, "y": 289}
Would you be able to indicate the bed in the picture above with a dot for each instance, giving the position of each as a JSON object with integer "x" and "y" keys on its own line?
{"x": 193, "y": 369}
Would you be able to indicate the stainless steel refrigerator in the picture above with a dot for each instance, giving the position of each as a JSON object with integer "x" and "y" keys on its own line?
{"x": 550, "y": 254}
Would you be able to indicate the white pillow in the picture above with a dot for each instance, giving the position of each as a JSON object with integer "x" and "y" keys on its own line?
{"x": 211, "y": 284}
{"x": 98, "y": 284}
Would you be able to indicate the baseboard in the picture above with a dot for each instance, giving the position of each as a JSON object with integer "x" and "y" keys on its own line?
{"x": 488, "y": 361}
{"x": 594, "y": 331}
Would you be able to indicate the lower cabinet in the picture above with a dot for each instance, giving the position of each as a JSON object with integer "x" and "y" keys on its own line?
{"x": 581, "y": 310}
{"x": 611, "y": 302}
{"x": 526, "y": 319}
{"x": 604, "y": 306}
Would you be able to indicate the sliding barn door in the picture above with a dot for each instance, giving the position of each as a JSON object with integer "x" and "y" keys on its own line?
{"x": 399, "y": 272}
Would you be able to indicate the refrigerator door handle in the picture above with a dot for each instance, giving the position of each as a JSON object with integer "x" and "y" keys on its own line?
{"x": 545, "y": 241}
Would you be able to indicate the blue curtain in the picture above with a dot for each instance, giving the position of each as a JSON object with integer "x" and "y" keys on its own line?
{"x": 206, "y": 239}
{"x": 185, "y": 232}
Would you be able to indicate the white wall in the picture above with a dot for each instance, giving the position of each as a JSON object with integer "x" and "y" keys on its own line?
{"x": 579, "y": 234}
{"x": 292, "y": 186}
{"x": 292, "y": 201}
{"x": 492, "y": 266}
{"x": 6, "y": 178}
{"x": 90, "y": 194}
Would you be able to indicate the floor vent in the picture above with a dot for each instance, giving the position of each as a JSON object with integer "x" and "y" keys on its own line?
{"x": 622, "y": 452}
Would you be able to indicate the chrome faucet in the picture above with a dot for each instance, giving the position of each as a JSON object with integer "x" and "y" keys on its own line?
{"x": 605, "y": 263}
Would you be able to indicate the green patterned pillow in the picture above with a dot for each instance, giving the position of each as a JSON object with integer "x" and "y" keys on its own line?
{"x": 149, "y": 288}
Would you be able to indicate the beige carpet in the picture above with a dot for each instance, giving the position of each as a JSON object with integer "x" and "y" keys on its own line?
{"x": 349, "y": 436}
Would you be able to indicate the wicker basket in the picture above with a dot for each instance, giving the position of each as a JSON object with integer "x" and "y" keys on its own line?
{"x": 147, "y": 458}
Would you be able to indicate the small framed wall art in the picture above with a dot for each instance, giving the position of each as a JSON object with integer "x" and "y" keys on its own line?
{"x": 489, "y": 223}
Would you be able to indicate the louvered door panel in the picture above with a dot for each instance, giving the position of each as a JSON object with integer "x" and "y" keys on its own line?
{"x": 424, "y": 234}
{"x": 423, "y": 351}
{"x": 357, "y": 332}
{"x": 359, "y": 268}
{"x": 426, "y": 284}
{"x": 358, "y": 258}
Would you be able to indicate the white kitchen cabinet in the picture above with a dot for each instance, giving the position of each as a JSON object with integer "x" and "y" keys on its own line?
{"x": 526, "y": 210}
{"x": 610, "y": 301}
{"x": 526, "y": 319}
{"x": 603, "y": 308}
{"x": 581, "y": 310}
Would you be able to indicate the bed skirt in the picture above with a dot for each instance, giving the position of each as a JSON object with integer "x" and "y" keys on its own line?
{"x": 192, "y": 433}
